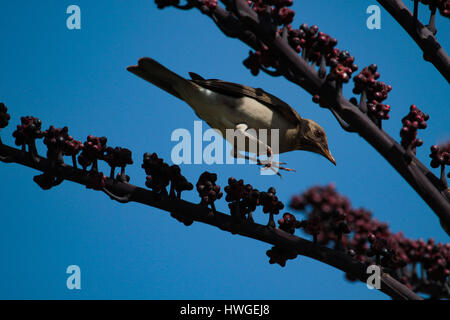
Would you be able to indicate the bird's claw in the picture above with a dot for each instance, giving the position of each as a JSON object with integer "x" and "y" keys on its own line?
{"x": 272, "y": 165}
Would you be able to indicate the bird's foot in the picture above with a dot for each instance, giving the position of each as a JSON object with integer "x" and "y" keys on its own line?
{"x": 273, "y": 165}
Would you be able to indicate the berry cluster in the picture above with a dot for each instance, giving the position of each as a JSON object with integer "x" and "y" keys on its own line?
{"x": 317, "y": 47}
{"x": 71, "y": 148}
{"x": 234, "y": 190}
{"x": 289, "y": 223}
{"x": 243, "y": 198}
{"x": 281, "y": 15}
{"x": 371, "y": 241}
{"x": 442, "y": 5}
{"x": 157, "y": 172}
{"x": 47, "y": 180}
{"x": 342, "y": 65}
{"x": 326, "y": 213}
{"x": 208, "y": 190}
{"x": 375, "y": 92}
{"x": 315, "y": 44}
{"x": 59, "y": 143}
{"x": 280, "y": 255}
{"x": 160, "y": 174}
{"x": 320, "y": 48}
{"x": 362, "y": 225}
{"x": 440, "y": 157}
{"x": 118, "y": 157}
{"x": 270, "y": 204}
{"x": 27, "y": 132}
{"x": 258, "y": 59}
{"x": 4, "y": 116}
{"x": 93, "y": 150}
{"x": 284, "y": 16}
{"x": 383, "y": 252}
{"x": 434, "y": 260}
{"x": 413, "y": 121}
{"x": 178, "y": 182}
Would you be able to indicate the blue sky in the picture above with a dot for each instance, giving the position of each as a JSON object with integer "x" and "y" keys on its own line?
{"x": 78, "y": 78}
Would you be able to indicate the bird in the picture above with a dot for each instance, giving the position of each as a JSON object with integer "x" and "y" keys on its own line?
{"x": 226, "y": 105}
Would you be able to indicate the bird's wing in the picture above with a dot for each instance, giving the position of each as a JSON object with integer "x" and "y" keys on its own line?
{"x": 240, "y": 90}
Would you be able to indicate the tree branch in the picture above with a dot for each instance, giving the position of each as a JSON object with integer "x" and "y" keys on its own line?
{"x": 188, "y": 212}
{"x": 422, "y": 35}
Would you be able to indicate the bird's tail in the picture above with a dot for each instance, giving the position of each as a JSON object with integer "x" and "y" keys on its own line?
{"x": 152, "y": 71}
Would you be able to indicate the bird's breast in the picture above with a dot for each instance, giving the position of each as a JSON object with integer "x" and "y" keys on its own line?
{"x": 223, "y": 112}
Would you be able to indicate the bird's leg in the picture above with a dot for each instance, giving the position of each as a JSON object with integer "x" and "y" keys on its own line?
{"x": 235, "y": 153}
{"x": 241, "y": 129}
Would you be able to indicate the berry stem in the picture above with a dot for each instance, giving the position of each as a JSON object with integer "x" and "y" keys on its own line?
{"x": 111, "y": 175}
{"x": 74, "y": 161}
{"x": 363, "y": 102}
{"x": 416, "y": 11}
{"x": 338, "y": 241}
{"x": 443, "y": 177}
{"x": 322, "y": 69}
{"x": 94, "y": 165}
{"x": 432, "y": 23}
{"x": 33, "y": 151}
{"x": 271, "y": 221}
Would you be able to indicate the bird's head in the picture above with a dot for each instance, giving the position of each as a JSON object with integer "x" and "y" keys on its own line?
{"x": 312, "y": 138}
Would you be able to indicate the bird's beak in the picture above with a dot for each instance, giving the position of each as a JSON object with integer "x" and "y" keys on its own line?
{"x": 327, "y": 154}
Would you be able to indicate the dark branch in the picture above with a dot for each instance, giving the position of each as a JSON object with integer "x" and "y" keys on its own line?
{"x": 187, "y": 211}
{"x": 422, "y": 35}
